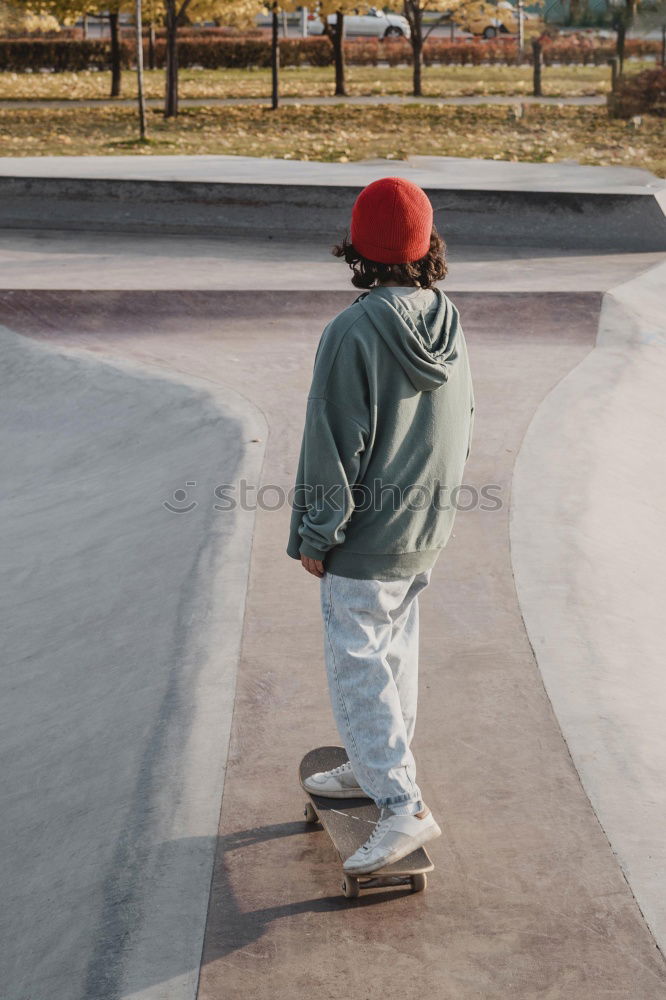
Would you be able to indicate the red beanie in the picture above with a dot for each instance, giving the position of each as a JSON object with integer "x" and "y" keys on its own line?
{"x": 392, "y": 221}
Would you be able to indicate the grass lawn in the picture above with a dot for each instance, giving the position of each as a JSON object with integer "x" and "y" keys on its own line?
{"x": 341, "y": 133}
{"x": 452, "y": 81}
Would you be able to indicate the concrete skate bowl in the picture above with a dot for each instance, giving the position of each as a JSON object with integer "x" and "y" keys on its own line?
{"x": 160, "y": 653}
{"x": 588, "y": 542}
{"x": 129, "y": 652}
{"x": 121, "y": 632}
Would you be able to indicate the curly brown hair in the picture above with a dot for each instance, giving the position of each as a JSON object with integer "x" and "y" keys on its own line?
{"x": 425, "y": 272}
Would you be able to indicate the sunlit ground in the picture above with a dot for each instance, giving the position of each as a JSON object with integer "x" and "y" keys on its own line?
{"x": 341, "y": 133}
{"x": 557, "y": 81}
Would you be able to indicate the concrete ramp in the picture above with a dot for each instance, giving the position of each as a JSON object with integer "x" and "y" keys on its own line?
{"x": 121, "y": 631}
{"x": 588, "y": 541}
{"x": 527, "y": 899}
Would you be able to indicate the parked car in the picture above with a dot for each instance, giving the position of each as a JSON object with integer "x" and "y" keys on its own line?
{"x": 374, "y": 24}
{"x": 491, "y": 19}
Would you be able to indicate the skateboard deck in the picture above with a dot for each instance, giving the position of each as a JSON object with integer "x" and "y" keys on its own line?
{"x": 349, "y": 823}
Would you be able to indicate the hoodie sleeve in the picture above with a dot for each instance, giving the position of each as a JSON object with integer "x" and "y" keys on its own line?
{"x": 335, "y": 441}
{"x": 328, "y": 467}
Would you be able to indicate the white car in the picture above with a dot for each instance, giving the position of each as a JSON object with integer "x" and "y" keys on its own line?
{"x": 374, "y": 24}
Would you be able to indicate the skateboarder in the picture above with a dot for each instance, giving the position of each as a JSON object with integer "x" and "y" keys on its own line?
{"x": 387, "y": 434}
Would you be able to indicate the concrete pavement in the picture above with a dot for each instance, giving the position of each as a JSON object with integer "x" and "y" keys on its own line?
{"x": 98, "y": 261}
{"x": 457, "y": 172}
{"x": 428, "y": 171}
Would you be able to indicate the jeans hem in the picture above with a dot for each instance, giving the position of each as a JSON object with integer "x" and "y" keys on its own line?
{"x": 396, "y": 800}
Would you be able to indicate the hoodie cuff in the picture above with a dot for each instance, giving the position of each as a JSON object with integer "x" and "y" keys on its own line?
{"x": 310, "y": 552}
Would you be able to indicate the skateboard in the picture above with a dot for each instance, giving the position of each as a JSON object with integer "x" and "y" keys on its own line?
{"x": 349, "y": 823}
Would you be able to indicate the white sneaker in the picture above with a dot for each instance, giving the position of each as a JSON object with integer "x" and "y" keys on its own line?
{"x": 338, "y": 783}
{"x": 393, "y": 837}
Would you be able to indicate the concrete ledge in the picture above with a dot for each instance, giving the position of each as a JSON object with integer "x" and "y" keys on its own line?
{"x": 482, "y": 202}
{"x": 587, "y": 538}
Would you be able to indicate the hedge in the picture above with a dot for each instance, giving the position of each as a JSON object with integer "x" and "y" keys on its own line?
{"x": 20, "y": 55}
{"x": 59, "y": 55}
{"x": 642, "y": 93}
{"x": 242, "y": 53}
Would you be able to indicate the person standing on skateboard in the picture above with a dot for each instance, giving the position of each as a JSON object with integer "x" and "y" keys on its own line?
{"x": 387, "y": 434}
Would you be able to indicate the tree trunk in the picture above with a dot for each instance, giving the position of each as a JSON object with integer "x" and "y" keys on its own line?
{"x": 275, "y": 59}
{"x": 417, "y": 58}
{"x": 139, "y": 70}
{"x": 339, "y": 53}
{"x": 536, "y": 60}
{"x": 115, "y": 55}
{"x": 151, "y": 45}
{"x": 623, "y": 20}
{"x": 414, "y": 15}
{"x": 171, "y": 92}
{"x": 621, "y": 32}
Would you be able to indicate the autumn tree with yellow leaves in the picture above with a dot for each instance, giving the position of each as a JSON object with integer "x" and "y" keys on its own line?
{"x": 451, "y": 10}
{"x": 68, "y": 11}
{"x": 175, "y": 14}
{"x": 335, "y": 30}
{"x": 242, "y": 14}
{"x": 236, "y": 13}
{"x": 414, "y": 10}
{"x": 16, "y": 20}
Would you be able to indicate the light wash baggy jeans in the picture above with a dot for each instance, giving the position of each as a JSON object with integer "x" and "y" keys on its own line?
{"x": 371, "y": 644}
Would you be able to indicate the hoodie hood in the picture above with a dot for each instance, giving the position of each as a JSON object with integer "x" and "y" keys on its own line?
{"x": 426, "y": 349}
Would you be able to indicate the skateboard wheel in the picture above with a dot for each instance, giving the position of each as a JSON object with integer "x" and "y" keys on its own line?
{"x": 350, "y": 887}
{"x": 419, "y": 882}
{"x": 309, "y": 813}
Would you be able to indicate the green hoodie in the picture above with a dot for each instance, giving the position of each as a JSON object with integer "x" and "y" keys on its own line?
{"x": 387, "y": 433}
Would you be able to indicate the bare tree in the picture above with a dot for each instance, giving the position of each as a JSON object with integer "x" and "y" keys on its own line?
{"x": 116, "y": 71}
{"x": 275, "y": 58}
